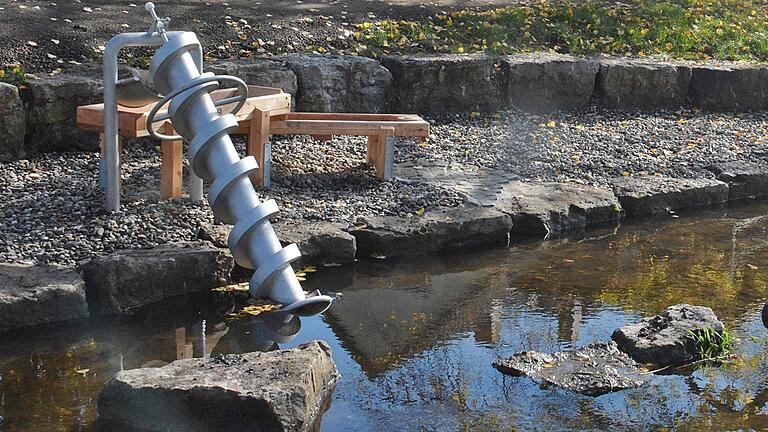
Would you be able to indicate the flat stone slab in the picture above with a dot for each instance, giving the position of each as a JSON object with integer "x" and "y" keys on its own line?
{"x": 554, "y": 208}
{"x": 444, "y": 83}
{"x": 635, "y": 84}
{"x": 437, "y": 230}
{"x": 12, "y": 124}
{"x": 729, "y": 87}
{"x": 649, "y": 195}
{"x": 594, "y": 370}
{"x": 319, "y": 242}
{"x": 746, "y": 180}
{"x": 129, "y": 279}
{"x": 666, "y": 339}
{"x": 544, "y": 82}
{"x": 285, "y": 390}
{"x": 36, "y": 295}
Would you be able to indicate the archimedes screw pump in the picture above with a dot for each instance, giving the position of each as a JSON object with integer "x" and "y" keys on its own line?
{"x": 176, "y": 71}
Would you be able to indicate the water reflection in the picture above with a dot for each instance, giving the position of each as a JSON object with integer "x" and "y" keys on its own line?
{"x": 414, "y": 339}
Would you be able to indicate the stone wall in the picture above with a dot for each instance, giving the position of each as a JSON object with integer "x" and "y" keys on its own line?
{"x": 41, "y": 117}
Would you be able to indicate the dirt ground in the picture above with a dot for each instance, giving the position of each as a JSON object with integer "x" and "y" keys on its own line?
{"x": 45, "y": 35}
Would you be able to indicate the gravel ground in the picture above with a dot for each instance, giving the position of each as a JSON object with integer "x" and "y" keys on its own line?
{"x": 50, "y": 206}
{"x": 45, "y": 35}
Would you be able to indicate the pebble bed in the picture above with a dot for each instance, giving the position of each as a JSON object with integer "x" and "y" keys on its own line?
{"x": 50, "y": 206}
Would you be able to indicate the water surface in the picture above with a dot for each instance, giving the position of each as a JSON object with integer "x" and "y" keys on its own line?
{"x": 415, "y": 338}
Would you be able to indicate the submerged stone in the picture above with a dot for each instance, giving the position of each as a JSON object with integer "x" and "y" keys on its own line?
{"x": 666, "y": 339}
{"x": 649, "y": 195}
{"x": 284, "y": 390}
{"x": 745, "y": 179}
{"x": 593, "y": 370}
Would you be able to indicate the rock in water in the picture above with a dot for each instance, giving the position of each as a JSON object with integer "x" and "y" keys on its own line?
{"x": 273, "y": 391}
{"x": 765, "y": 315}
{"x": 666, "y": 339}
{"x": 594, "y": 370}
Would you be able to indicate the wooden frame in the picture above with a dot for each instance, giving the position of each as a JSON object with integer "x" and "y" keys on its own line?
{"x": 267, "y": 112}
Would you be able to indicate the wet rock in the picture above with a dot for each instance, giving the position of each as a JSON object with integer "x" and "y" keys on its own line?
{"x": 259, "y": 72}
{"x": 437, "y": 230}
{"x": 339, "y": 83}
{"x": 648, "y": 195}
{"x": 543, "y": 82}
{"x": 554, "y": 208}
{"x": 729, "y": 87}
{"x": 633, "y": 84}
{"x": 666, "y": 339}
{"x": 319, "y": 242}
{"x": 444, "y": 84}
{"x": 765, "y": 315}
{"x": 594, "y": 370}
{"x": 51, "y": 104}
{"x": 12, "y": 126}
{"x": 35, "y": 295}
{"x": 284, "y": 390}
{"x": 128, "y": 279}
{"x": 745, "y": 179}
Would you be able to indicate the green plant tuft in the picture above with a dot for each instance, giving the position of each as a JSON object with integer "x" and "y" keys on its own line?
{"x": 711, "y": 343}
{"x": 13, "y": 75}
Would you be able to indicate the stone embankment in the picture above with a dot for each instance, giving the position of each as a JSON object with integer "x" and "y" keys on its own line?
{"x": 41, "y": 117}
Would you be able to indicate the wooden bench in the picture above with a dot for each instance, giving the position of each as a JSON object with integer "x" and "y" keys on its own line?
{"x": 267, "y": 112}
{"x": 381, "y": 129}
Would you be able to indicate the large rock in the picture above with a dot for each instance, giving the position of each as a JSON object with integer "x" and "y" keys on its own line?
{"x": 649, "y": 195}
{"x": 12, "y": 126}
{"x": 593, "y": 370}
{"x": 745, "y": 179}
{"x": 729, "y": 87}
{"x": 51, "y": 103}
{"x": 128, "y": 279}
{"x": 259, "y": 72}
{"x": 319, "y": 242}
{"x": 284, "y": 390}
{"x": 31, "y": 296}
{"x": 666, "y": 339}
{"x": 444, "y": 84}
{"x": 339, "y": 83}
{"x": 543, "y": 82}
{"x": 555, "y": 208}
{"x": 437, "y": 230}
{"x": 633, "y": 84}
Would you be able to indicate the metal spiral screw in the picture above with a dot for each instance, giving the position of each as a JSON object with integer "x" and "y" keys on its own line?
{"x": 213, "y": 157}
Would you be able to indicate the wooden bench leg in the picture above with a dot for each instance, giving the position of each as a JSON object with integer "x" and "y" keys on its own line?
{"x": 373, "y": 149}
{"x": 385, "y": 155}
{"x": 258, "y": 147}
{"x": 170, "y": 173}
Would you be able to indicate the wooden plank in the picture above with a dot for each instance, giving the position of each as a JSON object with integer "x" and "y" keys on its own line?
{"x": 372, "y": 149}
{"x": 258, "y": 139}
{"x": 170, "y": 172}
{"x": 357, "y": 128}
{"x": 385, "y": 153}
{"x": 349, "y": 116}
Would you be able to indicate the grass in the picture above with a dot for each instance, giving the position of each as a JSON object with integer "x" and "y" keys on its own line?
{"x": 680, "y": 29}
{"x": 13, "y": 74}
{"x": 713, "y": 344}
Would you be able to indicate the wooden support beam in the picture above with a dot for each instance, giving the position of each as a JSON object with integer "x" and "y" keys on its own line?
{"x": 170, "y": 172}
{"x": 258, "y": 146}
{"x": 372, "y": 149}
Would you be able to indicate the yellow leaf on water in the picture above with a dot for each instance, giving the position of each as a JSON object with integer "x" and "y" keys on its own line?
{"x": 309, "y": 269}
{"x": 752, "y": 266}
{"x": 82, "y": 371}
{"x": 331, "y": 264}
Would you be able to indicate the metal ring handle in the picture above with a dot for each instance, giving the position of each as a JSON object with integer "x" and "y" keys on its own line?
{"x": 242, "y": 88}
